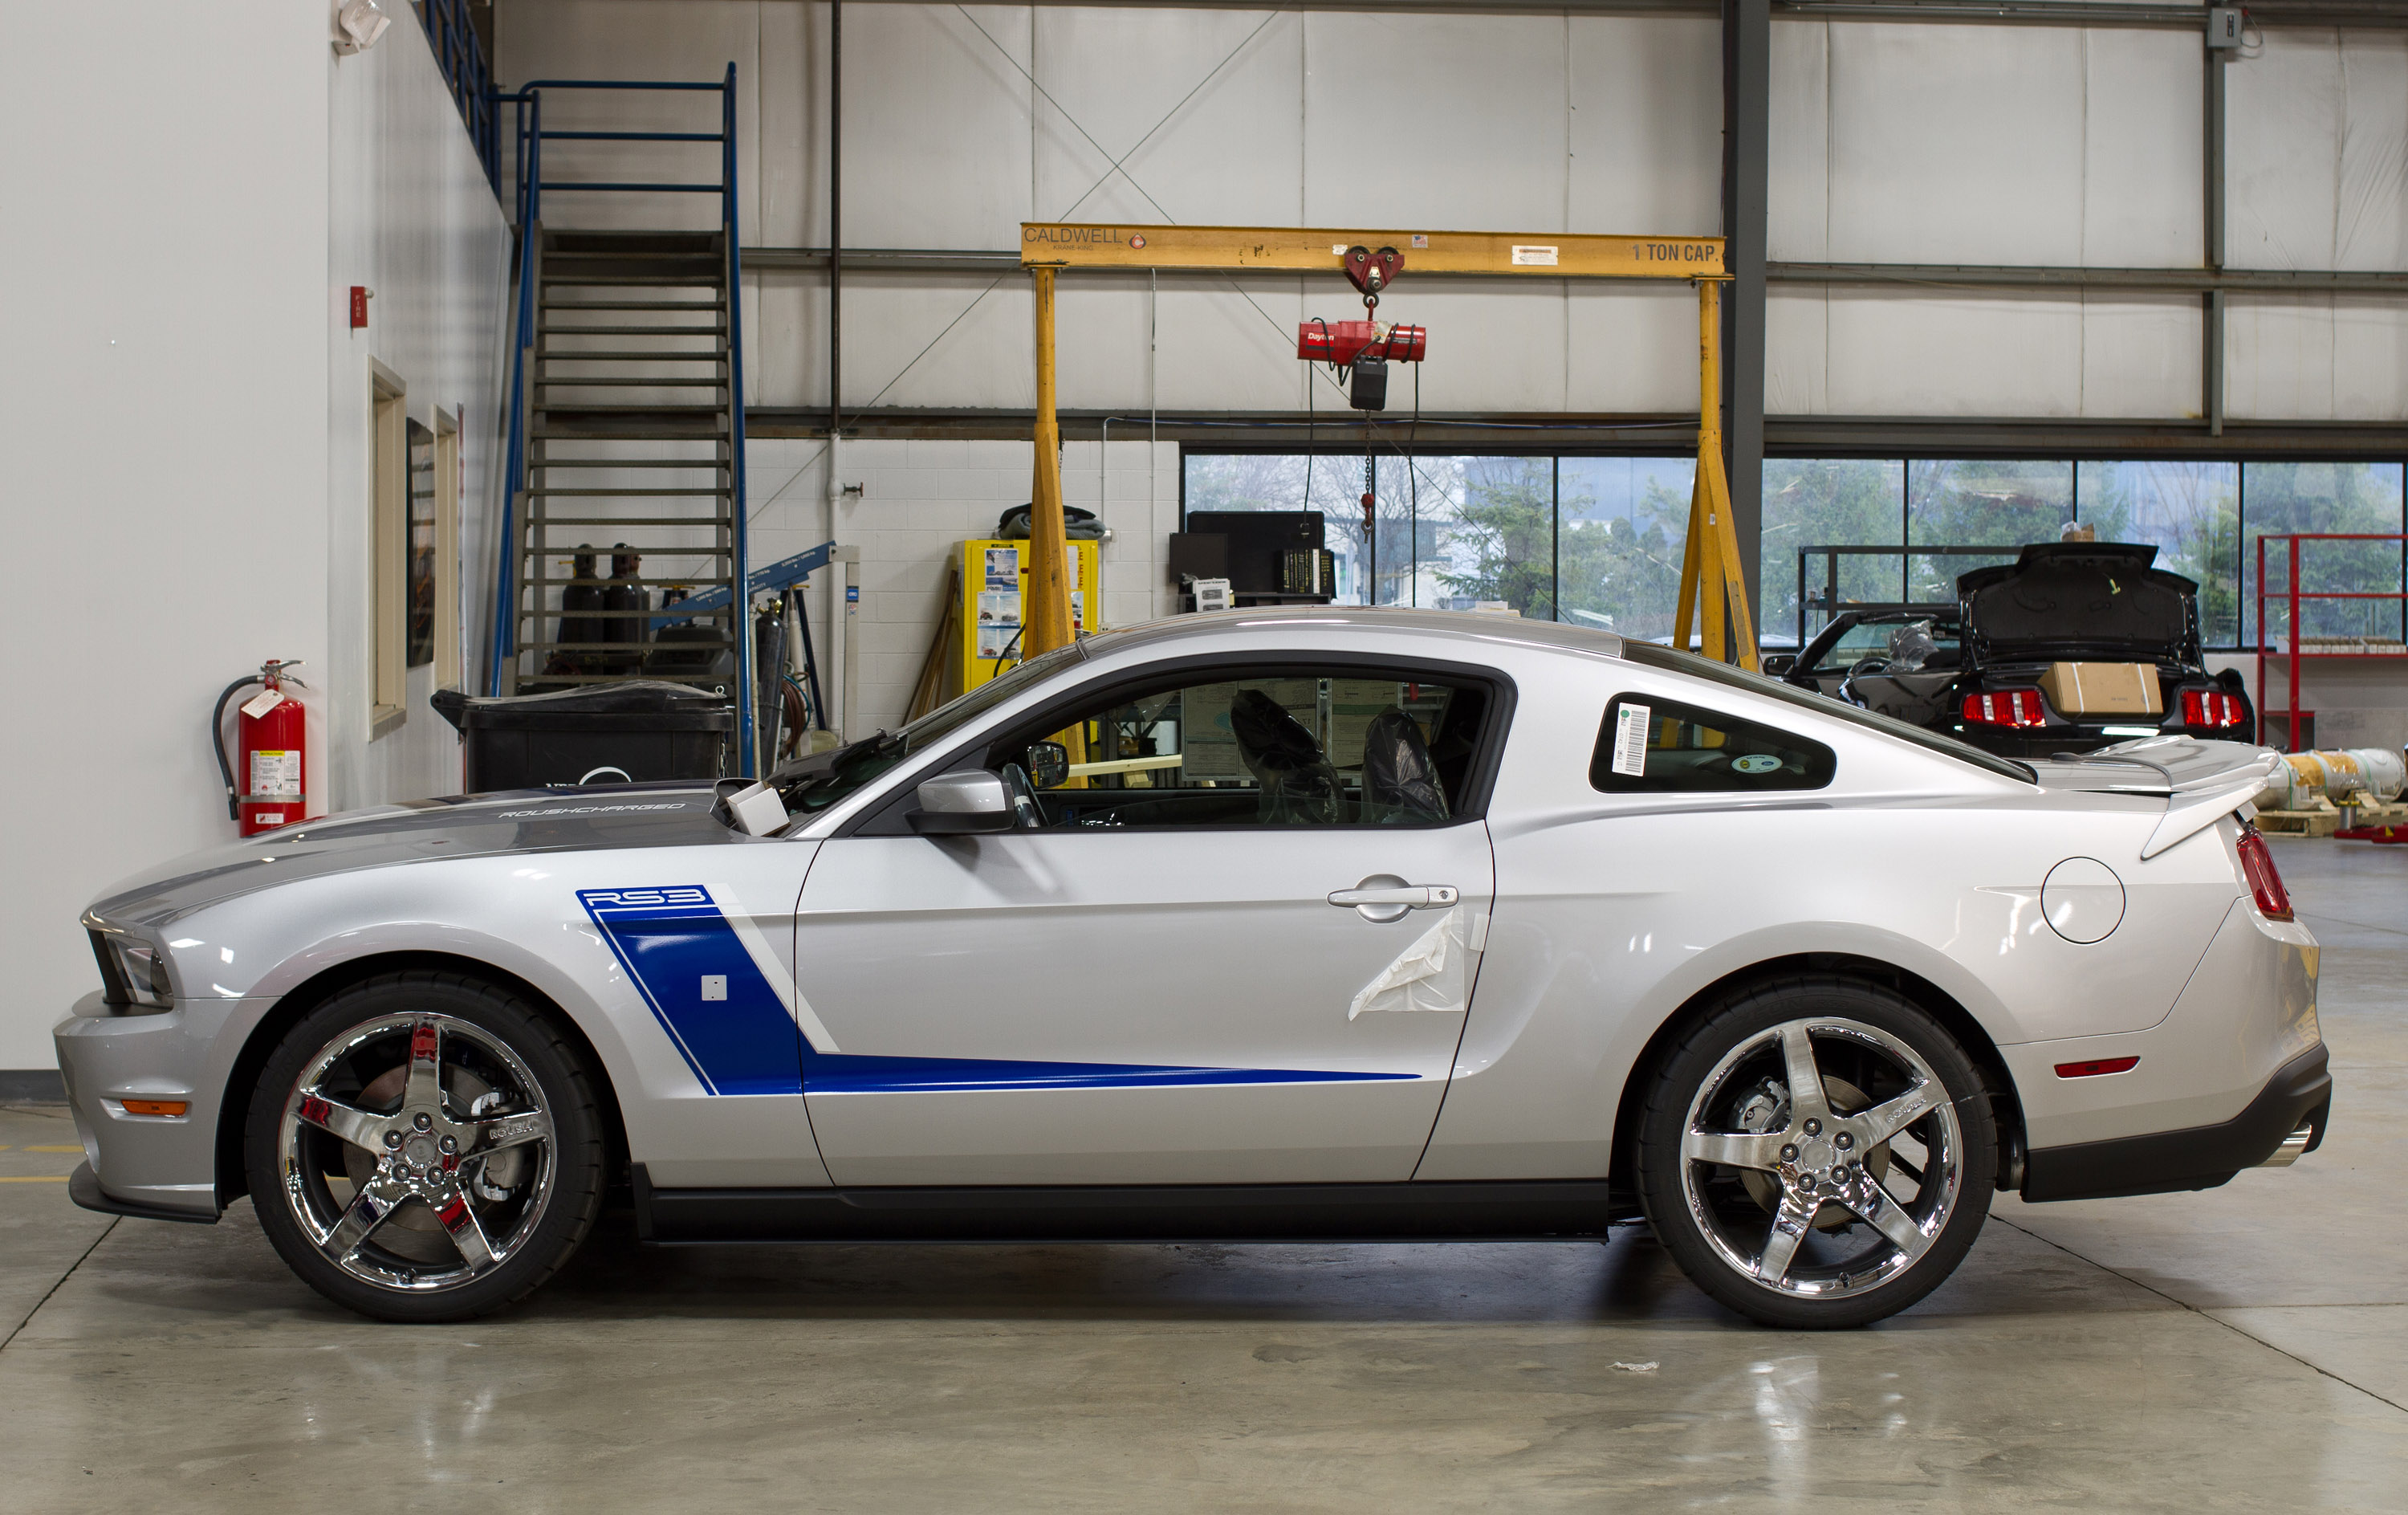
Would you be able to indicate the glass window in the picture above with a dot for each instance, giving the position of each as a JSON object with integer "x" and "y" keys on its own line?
{"x": 1955, "y": 503}
{"x": 1816, "y": 502}
{"x": 421, "y": 650}
{"x": 2343, "y": 498}
{"x": 2189, "y": 512}
{"x": 1622, "y": 524}
{"x": 1655, "y": 746}
{"x": 1265, "y": 747}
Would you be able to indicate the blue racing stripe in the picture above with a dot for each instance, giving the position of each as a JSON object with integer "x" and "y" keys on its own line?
{"x": 671, "y": 940}
{"x": 675, "y": 945}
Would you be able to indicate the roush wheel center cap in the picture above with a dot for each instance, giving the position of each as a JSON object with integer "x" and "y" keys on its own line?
{"x": 1816, "y": 1153}
{"x": 418, "y": 1151}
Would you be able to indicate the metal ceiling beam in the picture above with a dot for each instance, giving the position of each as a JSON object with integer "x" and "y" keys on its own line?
{"x": 1657, "y": 434}
{"x": 2105, "y": 13}
{"x": 1937, "y": 275}
{"x": 1747, "y": 136}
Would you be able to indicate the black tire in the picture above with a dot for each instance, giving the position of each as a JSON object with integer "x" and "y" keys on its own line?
{"x": 486, "y": 1029}
{"x": 1838, "y": 1268}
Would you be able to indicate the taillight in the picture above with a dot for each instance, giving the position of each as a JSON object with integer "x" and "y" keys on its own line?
{"x": 2265, "y": 885}
{"x": 2010, "y": 707}
{"x": 2211, "y": 708}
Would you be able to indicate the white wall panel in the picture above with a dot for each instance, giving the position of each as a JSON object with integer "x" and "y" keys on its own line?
{"x": 1798, "y": 164}
{"x": 1797, "y": 349}
{"x": 1496, "y": 344}
{"x": 2369, "y": 360}
{"x": 1203, "y": 109}
{"x": 1100, "y": 344}
{"x": 2141, "y": 356}
{"x": 1955, "y": 144}
{"x": 2371, "y": 229}
{"x": 1629, "y": 347}
{"x": 1646, "y": 124}
{"x": 937, "y": 125}
{"x": 2141, "y": 158}
{"x": 2279, "y": 364}
{"x": 1929, "y": 355}
{"x": 985, "y": 360}
{"x": 1230, "y": 345}
{"x": 2283, "y": 114}
{"x": 1452, "y": 122}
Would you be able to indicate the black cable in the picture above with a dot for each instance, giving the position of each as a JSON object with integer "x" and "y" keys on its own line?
{"x": 1311, "y": 416}
{"x": 1007, "y": 650}
{"x": 216, "y": 739}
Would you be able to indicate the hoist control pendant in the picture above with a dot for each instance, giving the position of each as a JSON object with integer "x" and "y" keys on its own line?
{"x": 272, "y": 731}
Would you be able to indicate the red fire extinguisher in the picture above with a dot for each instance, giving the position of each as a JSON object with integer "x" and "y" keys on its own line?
{"x": 271, "y": 730}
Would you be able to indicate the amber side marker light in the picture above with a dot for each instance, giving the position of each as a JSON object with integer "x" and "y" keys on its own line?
{"x": 2096, "y": 1066}
{"x": 155, "y": 1107}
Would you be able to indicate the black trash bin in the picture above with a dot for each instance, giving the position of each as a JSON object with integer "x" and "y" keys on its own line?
{"x": 605, "y": 733}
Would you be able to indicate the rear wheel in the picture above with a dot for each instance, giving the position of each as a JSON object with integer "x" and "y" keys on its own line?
{"x": 1817, "y": 1153}
{"x": 424, "y": 1146}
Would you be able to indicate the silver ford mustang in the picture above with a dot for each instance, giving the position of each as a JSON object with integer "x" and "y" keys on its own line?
{"x": 1316, "y": 924}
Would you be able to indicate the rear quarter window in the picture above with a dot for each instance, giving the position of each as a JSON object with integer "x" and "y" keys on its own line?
{"x": 1657, "y": 746}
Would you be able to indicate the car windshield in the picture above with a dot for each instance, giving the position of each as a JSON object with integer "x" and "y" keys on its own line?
{"x": 1872, "y": 638}
{"x": 813, "y": 784}
{"x": 1656, "y": 655}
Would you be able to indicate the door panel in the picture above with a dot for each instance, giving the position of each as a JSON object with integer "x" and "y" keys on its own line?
{"x": 1134, "y": 1007}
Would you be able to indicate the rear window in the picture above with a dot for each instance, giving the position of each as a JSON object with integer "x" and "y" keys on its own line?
{"x": 1654, "y": 655}
{"x": 1653, "y": 747}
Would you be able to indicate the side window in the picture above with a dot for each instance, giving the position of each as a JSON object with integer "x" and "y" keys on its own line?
{"x": 1259, "y": 747}
{"x": 1655, "y": 746}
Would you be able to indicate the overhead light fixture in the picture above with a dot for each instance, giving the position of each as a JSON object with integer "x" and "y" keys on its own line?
{"x": 359, "y": 25}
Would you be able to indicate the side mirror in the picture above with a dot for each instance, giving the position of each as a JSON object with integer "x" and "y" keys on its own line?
{"x": 1048, "y": 764}
{"x": 1780, "y": 665}
{"x": 964, "y": 804}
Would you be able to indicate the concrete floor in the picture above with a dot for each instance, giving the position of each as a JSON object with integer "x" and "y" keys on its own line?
{"x": 2242, "y": 1349}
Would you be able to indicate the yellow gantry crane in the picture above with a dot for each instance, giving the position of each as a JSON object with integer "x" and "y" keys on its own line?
{"x": 1713, "y": 586}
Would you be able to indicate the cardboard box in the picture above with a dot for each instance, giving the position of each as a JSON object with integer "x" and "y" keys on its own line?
{"x": 2103, "y": 689}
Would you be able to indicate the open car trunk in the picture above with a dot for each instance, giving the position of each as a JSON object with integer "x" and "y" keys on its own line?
{"x": 2081, "y": 600}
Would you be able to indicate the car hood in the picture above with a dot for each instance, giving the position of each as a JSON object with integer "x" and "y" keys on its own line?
{"x": 614, "y": 817}
{"x": 2079, "y": 599}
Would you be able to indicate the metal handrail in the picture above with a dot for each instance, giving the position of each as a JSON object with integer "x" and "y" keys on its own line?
{"x": 462, "y": 60}
{"x": 527, "y": 151}
{"x": 2290, "y": 597}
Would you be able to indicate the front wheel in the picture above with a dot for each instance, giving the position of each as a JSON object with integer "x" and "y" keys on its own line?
{"x": 424, "y": 1146}
{"x": 1817, "y": 1153}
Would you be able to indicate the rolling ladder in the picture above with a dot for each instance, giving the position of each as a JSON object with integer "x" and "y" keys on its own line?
{"x": 627, "y": 433}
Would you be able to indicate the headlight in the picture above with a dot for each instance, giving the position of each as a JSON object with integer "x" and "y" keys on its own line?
{"x": 133, "y": 971}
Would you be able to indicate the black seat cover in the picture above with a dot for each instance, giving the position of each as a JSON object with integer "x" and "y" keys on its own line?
{"x": 1400, "y": 784}
{"x": 1300, "y": 787}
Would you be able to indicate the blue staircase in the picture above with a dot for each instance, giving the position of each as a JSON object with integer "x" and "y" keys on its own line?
{"x": 626, "y": 432}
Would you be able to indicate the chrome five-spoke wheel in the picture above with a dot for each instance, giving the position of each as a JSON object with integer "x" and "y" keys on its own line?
{"x": 431, "y": 1148}
{"x": 1819, "y": 1154}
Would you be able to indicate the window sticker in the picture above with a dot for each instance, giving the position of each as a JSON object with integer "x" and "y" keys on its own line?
{"x": 1757, "y": 762}
{"x": 1631, "y": 741}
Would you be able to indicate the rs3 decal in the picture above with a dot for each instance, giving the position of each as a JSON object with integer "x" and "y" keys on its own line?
{"x": 720, "y": 993}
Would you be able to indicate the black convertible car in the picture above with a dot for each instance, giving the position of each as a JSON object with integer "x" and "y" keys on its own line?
{"x": 1981, "y": 668}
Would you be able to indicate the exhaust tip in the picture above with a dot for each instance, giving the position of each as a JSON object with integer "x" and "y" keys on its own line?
{"x": 2294, "y": 1146}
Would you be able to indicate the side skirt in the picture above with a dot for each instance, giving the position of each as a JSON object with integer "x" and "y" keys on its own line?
{"x": 1550, "y": 1210}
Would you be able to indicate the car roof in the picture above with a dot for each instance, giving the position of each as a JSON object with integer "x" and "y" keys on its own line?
{"x": 1369, "y": 619}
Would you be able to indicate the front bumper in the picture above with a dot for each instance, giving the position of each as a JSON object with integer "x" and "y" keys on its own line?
{"x": 151, "y": 1166}
{"x": 2298, "y": 1098}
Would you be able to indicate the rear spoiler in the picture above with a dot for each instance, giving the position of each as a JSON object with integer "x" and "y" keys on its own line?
{"x": 2204, "y": 781}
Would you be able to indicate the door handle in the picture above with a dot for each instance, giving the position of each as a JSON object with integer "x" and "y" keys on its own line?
{"x": 1381, "y": 902}
{"x": 1411, "y": 896}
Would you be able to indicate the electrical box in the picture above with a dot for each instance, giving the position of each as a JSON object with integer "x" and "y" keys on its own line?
{"x": 2224, "y": 24}
{"x": 994, "y": 586}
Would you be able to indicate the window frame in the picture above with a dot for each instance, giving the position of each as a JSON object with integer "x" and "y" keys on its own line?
{"x": 1659, "y": 708}
{"x": 388, "y": 551}
{"x": 888, "y": 816}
